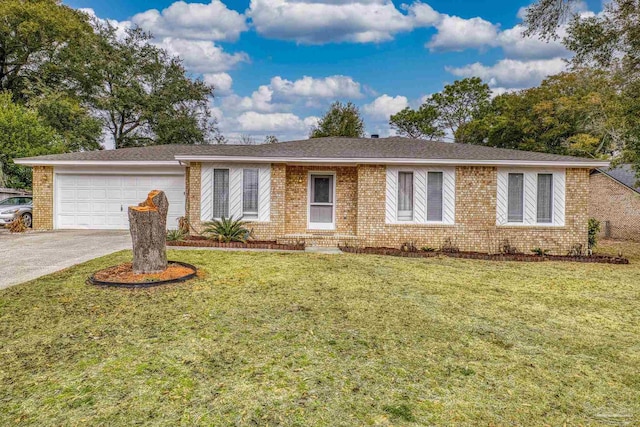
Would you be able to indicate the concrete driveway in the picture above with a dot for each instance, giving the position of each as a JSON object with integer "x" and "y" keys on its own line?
{"x": 27, "y": 256}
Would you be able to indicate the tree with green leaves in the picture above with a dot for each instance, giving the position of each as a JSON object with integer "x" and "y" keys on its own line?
{"x": 142, "y": 93}
{"x": 421, "y": 123}
{"x": 575, "y": 113}
{"x": 340, "y": 120}
{"x": 608, "y": 41}
{"x": 446, "y": 111}
{"x": 23, "y": 133}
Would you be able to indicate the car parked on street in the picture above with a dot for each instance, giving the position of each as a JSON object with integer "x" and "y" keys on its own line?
{"x": 16, "y": 207}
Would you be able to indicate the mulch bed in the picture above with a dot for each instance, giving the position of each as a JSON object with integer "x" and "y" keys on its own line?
{"x": 122, "y": 275}
{"x": 203, "y": 242}
{"x": 604, "y": 259}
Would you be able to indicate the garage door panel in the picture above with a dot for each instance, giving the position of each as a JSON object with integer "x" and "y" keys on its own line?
{"x": 102, "y": 201}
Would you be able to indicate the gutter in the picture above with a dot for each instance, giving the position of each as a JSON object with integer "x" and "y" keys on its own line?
{"x": 393, "y": 161}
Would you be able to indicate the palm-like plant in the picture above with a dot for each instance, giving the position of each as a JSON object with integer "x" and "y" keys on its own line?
{"x": 227, "y": 230}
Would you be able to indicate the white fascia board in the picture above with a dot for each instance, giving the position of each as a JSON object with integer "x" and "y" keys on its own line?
{"x": 96, "y": 163}
{"x": 399, "y": 161}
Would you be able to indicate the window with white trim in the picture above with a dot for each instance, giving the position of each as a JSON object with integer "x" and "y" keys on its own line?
{"x": 531, "y": 197}
{"x": 515, "y": 202}
{"x": 405, "y": 196}
{"x": 434, "y": 196}
{"x": 221, "y": 193}
{"x": 420, "y": 195}
{"x": 250, "y": 193}
{"x": 544, "y": 212}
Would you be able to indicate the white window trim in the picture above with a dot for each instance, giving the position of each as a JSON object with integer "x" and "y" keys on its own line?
{"x": 420, "y": 196}
{"x": 316, "y": 225}
{"x": 254, "y": 216}
{"x": 236, "y": 187}
{"x": 530, "y": 198}
{"x": 413, "y": 197}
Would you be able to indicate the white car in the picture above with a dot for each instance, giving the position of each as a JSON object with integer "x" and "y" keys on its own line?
{"x": 16, "y": 207}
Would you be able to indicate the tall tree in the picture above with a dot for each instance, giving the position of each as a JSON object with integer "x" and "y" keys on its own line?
{"x": 340, "y": 120}
{"x": 576, "y": 113}
{"x": 23, "y": 133}
{"x": 143, "y": 93}
{"x": 421, "y": 123}
{"x": 609, "y": 41}
{"x": 445, "y": 112}
{"x": 34, "y": 37}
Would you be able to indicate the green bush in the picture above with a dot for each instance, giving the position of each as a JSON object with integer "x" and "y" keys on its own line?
{"x": 176, "y": 235}
{"x": 227, "y": 230}
{"x": 594, "y": 229}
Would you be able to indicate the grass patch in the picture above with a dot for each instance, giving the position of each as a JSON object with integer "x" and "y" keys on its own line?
{"x": 297, "y": 339}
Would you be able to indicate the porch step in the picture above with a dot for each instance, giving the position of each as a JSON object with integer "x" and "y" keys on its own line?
{"x": 326, "y": 240}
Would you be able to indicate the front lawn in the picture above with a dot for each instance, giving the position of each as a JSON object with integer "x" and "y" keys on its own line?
{"x": 299, "y": 339}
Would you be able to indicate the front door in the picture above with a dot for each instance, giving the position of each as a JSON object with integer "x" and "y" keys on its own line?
{"x": 322, "y": 202}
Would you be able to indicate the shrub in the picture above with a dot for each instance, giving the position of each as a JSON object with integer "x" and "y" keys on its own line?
{"x": 576, "y": 250}
{"x": 508, "y": 248}
{"x": 428, "y": 249}
{"x": 594, "y": 229}
{"x": 17, "y": 226}
{"x": 227, "y": 230}
{"x": 176, "y": 235}
{"x": 183, "y": 225}
{"x": 540, "y": 251}
{"x": 448, "y": 246}
{"x": 408, "y": 247}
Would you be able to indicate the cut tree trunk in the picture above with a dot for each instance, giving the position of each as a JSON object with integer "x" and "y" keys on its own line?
{"x": 148, "y": 226}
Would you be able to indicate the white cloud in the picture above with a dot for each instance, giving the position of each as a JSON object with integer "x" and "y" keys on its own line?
{"x": 202, "y": 56}
{"x": 455, "y": 33}
{"x": 212, "y": 21}
{"x": 221, "y": 82}
{"x": 516, "y": 45}
{"x": 252, "y": 121}
{"x": 317, "y": 22}
{"x": 512, "y": 73}
{"x": 309, "y": 87}
{"x": 385, "y": 106}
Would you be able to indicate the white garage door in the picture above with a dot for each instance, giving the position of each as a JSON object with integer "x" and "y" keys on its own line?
{"x": 101, "y": 201}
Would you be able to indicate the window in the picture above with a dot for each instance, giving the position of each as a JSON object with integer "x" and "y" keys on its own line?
{"x": 515, "y": 198}
{"x": 545, "y": 198}
{"x": 405, "y": 196}
{"x": 250, "y": 193}
{"x": 221, "y": 193}
{"x": 434, "y": 196}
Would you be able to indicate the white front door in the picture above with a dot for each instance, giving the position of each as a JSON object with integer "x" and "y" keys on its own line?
{"x": 322, "y": 201}
{"x": 95, "y": 201}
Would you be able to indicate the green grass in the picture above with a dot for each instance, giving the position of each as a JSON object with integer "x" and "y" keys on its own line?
{"x": 297, "y": 339}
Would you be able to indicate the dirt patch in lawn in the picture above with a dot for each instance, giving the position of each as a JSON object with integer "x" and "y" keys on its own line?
{"x": 123, "y": 274}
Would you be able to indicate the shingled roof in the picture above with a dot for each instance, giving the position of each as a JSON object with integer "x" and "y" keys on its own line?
{"x": 393, "y": 149}
{"x": 625, "y": 175}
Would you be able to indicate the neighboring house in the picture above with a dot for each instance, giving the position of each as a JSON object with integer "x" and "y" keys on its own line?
{"x": 330, "y": 191}
{"x": 614, "y": 200}
{"x": 5, "y": 193}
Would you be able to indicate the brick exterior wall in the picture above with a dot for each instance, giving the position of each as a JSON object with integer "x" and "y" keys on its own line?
{"x": 360, "y": 211}
{"x": 42, "y": 198}
{"x": 614, "y": 202}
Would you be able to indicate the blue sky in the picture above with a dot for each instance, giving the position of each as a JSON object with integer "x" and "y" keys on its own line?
{"x": 278, "y": 64}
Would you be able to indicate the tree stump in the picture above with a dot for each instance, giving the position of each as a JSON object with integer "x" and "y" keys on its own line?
{"x": 148, "y": 227}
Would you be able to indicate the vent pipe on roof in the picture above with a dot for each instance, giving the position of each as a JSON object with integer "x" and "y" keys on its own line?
{"x": 375, "y": 136}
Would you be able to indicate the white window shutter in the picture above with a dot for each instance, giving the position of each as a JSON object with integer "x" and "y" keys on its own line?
{"x": 420, "y": 195}
{"x": 449, "y": 196}
{"x": 206, "y": 192}
{"x": 530, "y": 198}
{"x": 559, "y": 192}
{"x": 235, "y": 192}
{"x": 501, "y": 200}
{"x": 264, "y": 193}
{"x": 392, "y": 195}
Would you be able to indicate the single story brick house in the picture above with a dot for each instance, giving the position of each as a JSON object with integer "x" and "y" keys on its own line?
{"x": 330, "y": 191}
{"x": 614, "y": 200}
